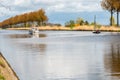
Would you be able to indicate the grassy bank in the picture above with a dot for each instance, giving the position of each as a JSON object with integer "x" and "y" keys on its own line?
{"x": 6, "y": 72}
{"x": 78, "y": 28}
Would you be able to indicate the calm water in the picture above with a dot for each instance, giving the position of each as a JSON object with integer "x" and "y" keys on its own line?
{"x": 62, "y": 55}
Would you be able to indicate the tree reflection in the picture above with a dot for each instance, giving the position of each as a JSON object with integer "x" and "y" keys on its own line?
{"x": 42, "y": 48}
{"x": 27, "y": 36}
{"x": 19, "y": 36}
{"x": 112, "y": 61}
{"x": 34, "y": 48}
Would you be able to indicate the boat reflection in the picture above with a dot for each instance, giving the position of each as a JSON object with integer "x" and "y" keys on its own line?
{"x": 35, "y": 35}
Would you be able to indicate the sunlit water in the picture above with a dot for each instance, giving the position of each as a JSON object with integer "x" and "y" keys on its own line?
{"x": 62, "y": 55}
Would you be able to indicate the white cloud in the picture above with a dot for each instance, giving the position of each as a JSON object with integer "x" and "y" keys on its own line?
{"x": 76, "y": 6}
{"x": 58, "y": 5}
{"x": 21, "y": 6}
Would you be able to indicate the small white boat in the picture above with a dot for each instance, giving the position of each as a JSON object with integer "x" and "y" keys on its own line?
{"x": 34, "y": 30}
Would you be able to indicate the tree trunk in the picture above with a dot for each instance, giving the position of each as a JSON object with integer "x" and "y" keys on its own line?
{"x": 117, "y": 18}
{"x": 111, "y": 23}
{"x": 40, "y": 23}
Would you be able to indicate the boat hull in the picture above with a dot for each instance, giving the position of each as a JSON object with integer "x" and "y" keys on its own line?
{"x": 96, "y": 32}
{"x": 34, "y": 31}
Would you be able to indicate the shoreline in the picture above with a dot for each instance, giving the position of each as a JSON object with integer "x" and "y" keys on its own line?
{"x": 6, "y": 70}
{"x": 78, "y": 28}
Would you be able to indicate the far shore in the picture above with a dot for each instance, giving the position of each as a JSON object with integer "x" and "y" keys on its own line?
{"x": 78, "y": 28}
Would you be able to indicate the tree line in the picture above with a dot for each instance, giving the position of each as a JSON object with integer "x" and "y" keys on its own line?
{"x": 80, "y": 22}
{"x": 26, "y": 20}
{"x": 112, "y": 6}
{"x": 77, "y": 22}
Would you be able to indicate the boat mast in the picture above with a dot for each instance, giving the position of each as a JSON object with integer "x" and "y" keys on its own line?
{"x": 95, "y": 22}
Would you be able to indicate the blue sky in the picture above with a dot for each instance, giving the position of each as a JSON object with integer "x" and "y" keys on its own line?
{"x": 58, "y": 11}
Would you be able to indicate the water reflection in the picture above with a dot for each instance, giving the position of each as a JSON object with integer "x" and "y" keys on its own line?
{"x": 33, "y": 48}
{"x": 19, "y": 36}
{"x": 112, "y": 61}
{"x": 27, "y": 36}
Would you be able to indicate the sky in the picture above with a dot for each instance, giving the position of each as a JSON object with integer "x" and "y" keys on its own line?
{"x": 58, "y": 11}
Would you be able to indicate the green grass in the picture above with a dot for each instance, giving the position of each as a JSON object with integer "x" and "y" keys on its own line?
{"x": 2, "y": 77}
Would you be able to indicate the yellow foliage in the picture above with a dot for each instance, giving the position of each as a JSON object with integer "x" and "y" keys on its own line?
{"x": 76, "y": 25}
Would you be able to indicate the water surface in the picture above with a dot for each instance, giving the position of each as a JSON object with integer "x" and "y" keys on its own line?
{"x": 62, "y": 55}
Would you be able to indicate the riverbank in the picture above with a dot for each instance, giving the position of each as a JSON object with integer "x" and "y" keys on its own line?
{"x": 6, "y": 72}
{"x": 78, "y": 28}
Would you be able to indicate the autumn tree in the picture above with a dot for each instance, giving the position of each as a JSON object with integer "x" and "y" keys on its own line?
{"x": 41, "y": 17}
{"x": 112, "y": 6}
{"x": 108, "y": 5}
{"x": 113, "y": 20}
{"x": 117, "y": 9}
{"x": 35, "y": 16}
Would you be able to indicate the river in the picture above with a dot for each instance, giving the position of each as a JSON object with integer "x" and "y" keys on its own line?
{"x": 62, "y": 55}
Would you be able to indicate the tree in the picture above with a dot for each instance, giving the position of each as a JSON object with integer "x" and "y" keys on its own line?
{"x": 108, "y": 5}
{"x": 117, "y": 9}
{"x": 70, "y": 24}
{"x": 112, "y": 6}
{"x": 86, "y": 23}
{"x": 41, "y": 17}
{"x": 80, "y": 21}
{"x": 26, "y": 18}
{"x": 113, "y": 20}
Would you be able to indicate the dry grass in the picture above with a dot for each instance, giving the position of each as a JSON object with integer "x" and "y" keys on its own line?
{"x": 110, "y": 28}
{"x": 2, "y": 64}
{"x": 80, "y": 28}
{"x": 18, "y": 28}
{"x": 6, "y": 73}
